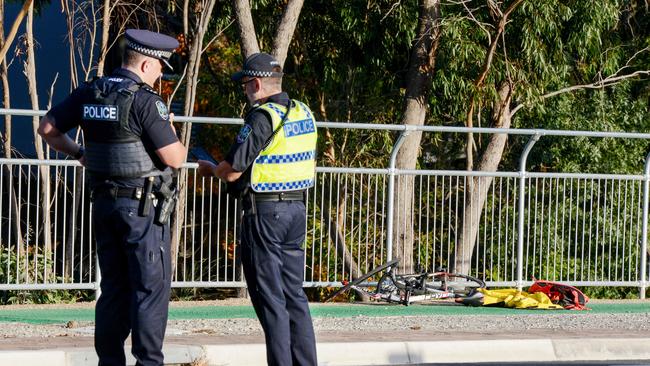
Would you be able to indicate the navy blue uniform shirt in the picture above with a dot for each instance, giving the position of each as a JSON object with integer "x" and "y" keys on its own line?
{"x": 145, "y": 121}
{"x": 250, "y": 142}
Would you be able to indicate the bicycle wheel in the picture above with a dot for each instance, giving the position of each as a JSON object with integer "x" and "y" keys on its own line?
{"x": 364, "y": 277}
{"x": 459, "y": 284}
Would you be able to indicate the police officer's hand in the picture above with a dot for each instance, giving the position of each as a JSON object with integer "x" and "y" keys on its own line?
{"x": 206, "y": 168}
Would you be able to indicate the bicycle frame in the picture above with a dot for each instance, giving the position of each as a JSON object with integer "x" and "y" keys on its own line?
{"x": 412, "y": 288}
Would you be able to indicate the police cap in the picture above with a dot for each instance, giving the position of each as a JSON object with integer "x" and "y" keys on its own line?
{"x": 258, "y": 65}
{"x": 151, "y": 44}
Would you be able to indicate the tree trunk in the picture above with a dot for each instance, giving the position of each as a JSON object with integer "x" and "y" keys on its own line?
{"x": 480, "y": 80}
{"x": 285, "y": 30}
{"x": 70, "y": 24}
{"x": 196, "y": 49}
{"x": 106, "y": 25}
{"x": 30, "y": 72}
{"x": 247, "y": 33}
{"x": 186, "y": 21}
{"x": 477, "y": 190}
{"x": 6, "y": 103}
{"x": 420, "y": 73}
{"x": 14, "y": 208}
{"x": 71, "y": 230}
{"x": 14, "y": 29}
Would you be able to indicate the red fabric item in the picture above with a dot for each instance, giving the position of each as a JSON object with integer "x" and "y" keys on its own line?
{"x": 568, "y": 296}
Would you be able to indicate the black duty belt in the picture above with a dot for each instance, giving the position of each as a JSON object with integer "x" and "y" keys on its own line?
{"x": 115, "y": 192}
{"x": 252, "y": 199}
{"x": 277, "y": 197}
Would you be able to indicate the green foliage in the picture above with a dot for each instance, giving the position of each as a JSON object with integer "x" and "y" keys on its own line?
{"x": 604, "y": 110}
{"x": 46, "y": 296}
{"x": 42, "y": 272}
{"x": 610, "y": 292}
{"x": 348, "y": 61}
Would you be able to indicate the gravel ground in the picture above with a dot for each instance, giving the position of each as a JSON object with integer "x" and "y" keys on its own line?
{"x": 362, "y": 324}
{"x": 638, "y": 323}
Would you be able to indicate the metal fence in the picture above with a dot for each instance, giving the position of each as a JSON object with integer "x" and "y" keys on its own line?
{"x": 582, "y": 229}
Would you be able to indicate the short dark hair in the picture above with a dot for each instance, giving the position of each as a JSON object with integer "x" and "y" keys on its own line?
{"x": 131, "y": 57}
{"x": 276, "y": 81}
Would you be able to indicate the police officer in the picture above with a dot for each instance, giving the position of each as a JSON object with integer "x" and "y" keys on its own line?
{"x": 271, "y": 165}
{"x": 130, "y": 148}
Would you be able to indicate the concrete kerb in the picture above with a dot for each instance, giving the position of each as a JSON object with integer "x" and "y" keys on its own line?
{"x": 370, "y": 353}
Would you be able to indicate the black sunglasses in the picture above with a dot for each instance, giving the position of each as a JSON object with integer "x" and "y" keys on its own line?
{"x": 243, "y": 83}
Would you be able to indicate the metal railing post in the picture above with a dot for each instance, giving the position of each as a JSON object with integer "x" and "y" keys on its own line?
{"x": 391, "y": 192}
{"x": 644, "y": 230}
{"x": 522, "y": 193}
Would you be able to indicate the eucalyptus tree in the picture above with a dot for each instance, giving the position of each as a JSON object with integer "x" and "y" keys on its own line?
{"x": 418, "y": 87}
{"x": 548, "y": 49}
{"x": 5, "y": 44}
{"x": 196, "y": 17}
{"x": 44, "y": 176}
{"x": 350, "y": 61}
{"x": 7, "y": 41}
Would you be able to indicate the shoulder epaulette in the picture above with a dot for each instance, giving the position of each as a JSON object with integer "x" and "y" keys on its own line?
{"x": 149, "y": 89}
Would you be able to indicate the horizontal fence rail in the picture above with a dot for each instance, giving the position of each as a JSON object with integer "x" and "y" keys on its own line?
{"x": 581, "y": 229}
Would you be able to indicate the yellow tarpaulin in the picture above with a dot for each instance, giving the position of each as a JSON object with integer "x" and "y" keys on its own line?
{"x": 512, "y": 298}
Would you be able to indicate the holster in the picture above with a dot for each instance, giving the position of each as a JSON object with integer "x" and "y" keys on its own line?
{"x": 167, "y": 196}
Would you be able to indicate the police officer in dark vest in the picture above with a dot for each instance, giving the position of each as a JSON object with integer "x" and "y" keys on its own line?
{"x": 130, "y": 148}
{"x": 270, "y": 166}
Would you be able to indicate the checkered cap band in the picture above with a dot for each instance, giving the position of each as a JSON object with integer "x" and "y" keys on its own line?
{"x": 149, "y": 51}
{"x": 288, "y": 158}
{"x": 283, "y": 187}
{"x": 260, "y": 74}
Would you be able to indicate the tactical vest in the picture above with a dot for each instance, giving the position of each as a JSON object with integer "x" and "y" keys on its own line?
{"x": 112, "y": 149}
{"x": 288, "y": 162}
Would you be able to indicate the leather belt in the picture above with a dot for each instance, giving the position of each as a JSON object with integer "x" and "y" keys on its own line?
{"x": 252, "y": 199}
{"x": 277, "y": 197}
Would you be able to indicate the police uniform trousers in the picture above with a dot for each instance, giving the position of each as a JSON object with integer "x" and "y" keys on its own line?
{"x": 273, "y": 262}
{"x": 135, "y": 264}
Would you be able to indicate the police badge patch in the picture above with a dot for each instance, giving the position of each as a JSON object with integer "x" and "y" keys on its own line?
{"x": 162, "y": 110}
{"x": 244, "y": 133}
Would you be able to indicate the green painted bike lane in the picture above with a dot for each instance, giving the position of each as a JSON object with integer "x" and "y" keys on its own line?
{"x": 54, "y": 315}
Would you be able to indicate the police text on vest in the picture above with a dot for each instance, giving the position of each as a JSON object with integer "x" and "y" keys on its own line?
{"x": 101, "y": 112}
{"x": 297, "y": 128}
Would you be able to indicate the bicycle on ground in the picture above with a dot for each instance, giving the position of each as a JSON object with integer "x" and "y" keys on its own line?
{"x": 411, "y": 288}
